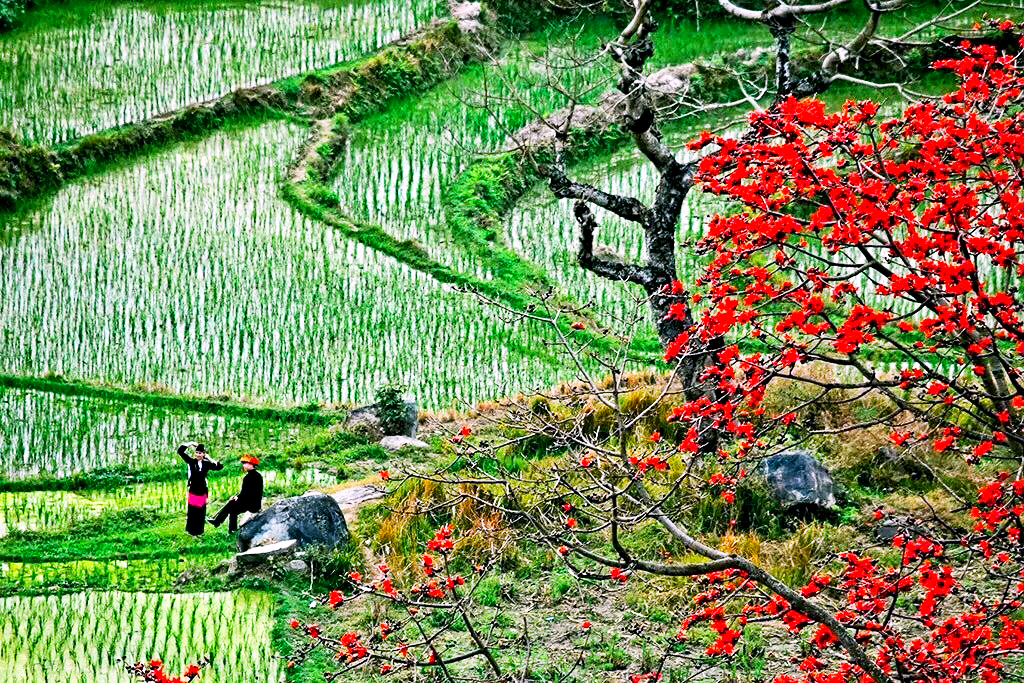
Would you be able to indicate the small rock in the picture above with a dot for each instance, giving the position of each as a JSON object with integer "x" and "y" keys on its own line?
{"x": 899, "y": 525}
{"x": 900, "y": 464}
{"x": 227, "y": 567}
{"x": 297, "y": 566}
{"x": 396, "y": 443}
{"x": 261, "y": 553}
{"x": 466, "y": 11}
{"x": 671, "y": 83}
{"x": 188, "y": 576}
{"x": 357, "y": 495}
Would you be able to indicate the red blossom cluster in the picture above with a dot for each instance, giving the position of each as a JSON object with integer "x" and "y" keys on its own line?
{"x": 870, "y": 597}
{"x": 855, "y": 235}
{"x": 442, "y": 541}
{"x": 154, "y": 671}
{"x": 729, "y": 629}
{"x": 859, "y": 234}
{"x": 649, "y": 677}
{"x": 461, "y": 436}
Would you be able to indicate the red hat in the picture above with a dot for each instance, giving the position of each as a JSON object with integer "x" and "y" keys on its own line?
{"x": 251, "y": 459}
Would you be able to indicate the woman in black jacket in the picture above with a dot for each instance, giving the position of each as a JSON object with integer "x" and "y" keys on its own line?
{"x": 198, "y": 490}
{"x": 248, "y": 499}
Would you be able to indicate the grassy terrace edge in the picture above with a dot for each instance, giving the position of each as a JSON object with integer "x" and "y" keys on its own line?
{"x": 218, "y": 405}
{"x": 402, "y": 72}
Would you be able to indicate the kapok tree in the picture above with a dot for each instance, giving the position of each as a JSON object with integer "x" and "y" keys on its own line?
{"x": 638, "y": 114}
{"x": 884, "y": 249}
{"x": 888, "y": 251}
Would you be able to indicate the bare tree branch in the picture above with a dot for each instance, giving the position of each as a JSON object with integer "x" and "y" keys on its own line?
{"x": 780, "y": 11}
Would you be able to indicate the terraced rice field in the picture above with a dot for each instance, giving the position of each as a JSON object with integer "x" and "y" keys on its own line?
{"x": 52, "y": 434}
{"x": 154, "y": 274}
{"x": 82, "y": 636}
{"x": 398, "y": 164}
{"x": 73, "y": 70}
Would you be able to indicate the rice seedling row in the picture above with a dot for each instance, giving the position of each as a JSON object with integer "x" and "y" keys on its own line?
{"x": 81, "y": 636}
{"x": 58, "y": 435}
{"x": 156, "y": 274}
{"x": 78, "y": 68}
{"x": 128, "y": 575}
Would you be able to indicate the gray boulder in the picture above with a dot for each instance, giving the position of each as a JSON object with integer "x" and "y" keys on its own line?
{"x": 312, "y": 519}
{"x": 297, "y": 566}
{"x": 364, "y": 420}
{"x": 796, "y": 478}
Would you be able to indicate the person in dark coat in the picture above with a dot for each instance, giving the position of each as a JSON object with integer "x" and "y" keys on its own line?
{"x": 199, "y": 465}
{"x": 248, "y": 499}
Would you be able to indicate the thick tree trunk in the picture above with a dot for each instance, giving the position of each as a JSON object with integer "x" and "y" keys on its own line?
{"x": 781, "y": 30}
{"x": 670, "y": 312}
{"x": 660, "y": 238}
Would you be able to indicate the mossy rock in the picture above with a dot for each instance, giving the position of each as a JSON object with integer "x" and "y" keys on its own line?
{"x": 25, "y": 170}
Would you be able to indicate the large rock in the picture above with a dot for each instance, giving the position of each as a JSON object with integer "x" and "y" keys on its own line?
{"x": 312, "y": 519}
{"x": 364, "y": 420}
{"x": 797, "y": 479}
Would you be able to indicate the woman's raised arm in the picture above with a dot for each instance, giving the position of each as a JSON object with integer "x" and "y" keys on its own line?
{"x": 183, "y": 453}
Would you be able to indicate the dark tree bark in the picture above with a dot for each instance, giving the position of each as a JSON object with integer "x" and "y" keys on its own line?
{"x": 659, "y": 222}
{"x": 782, "y": 31}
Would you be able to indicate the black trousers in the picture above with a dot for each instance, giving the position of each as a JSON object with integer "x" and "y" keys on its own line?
{"x": 231, "y": 509}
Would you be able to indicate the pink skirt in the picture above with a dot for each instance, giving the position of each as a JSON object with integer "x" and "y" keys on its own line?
{"x": 196, "y": 501}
